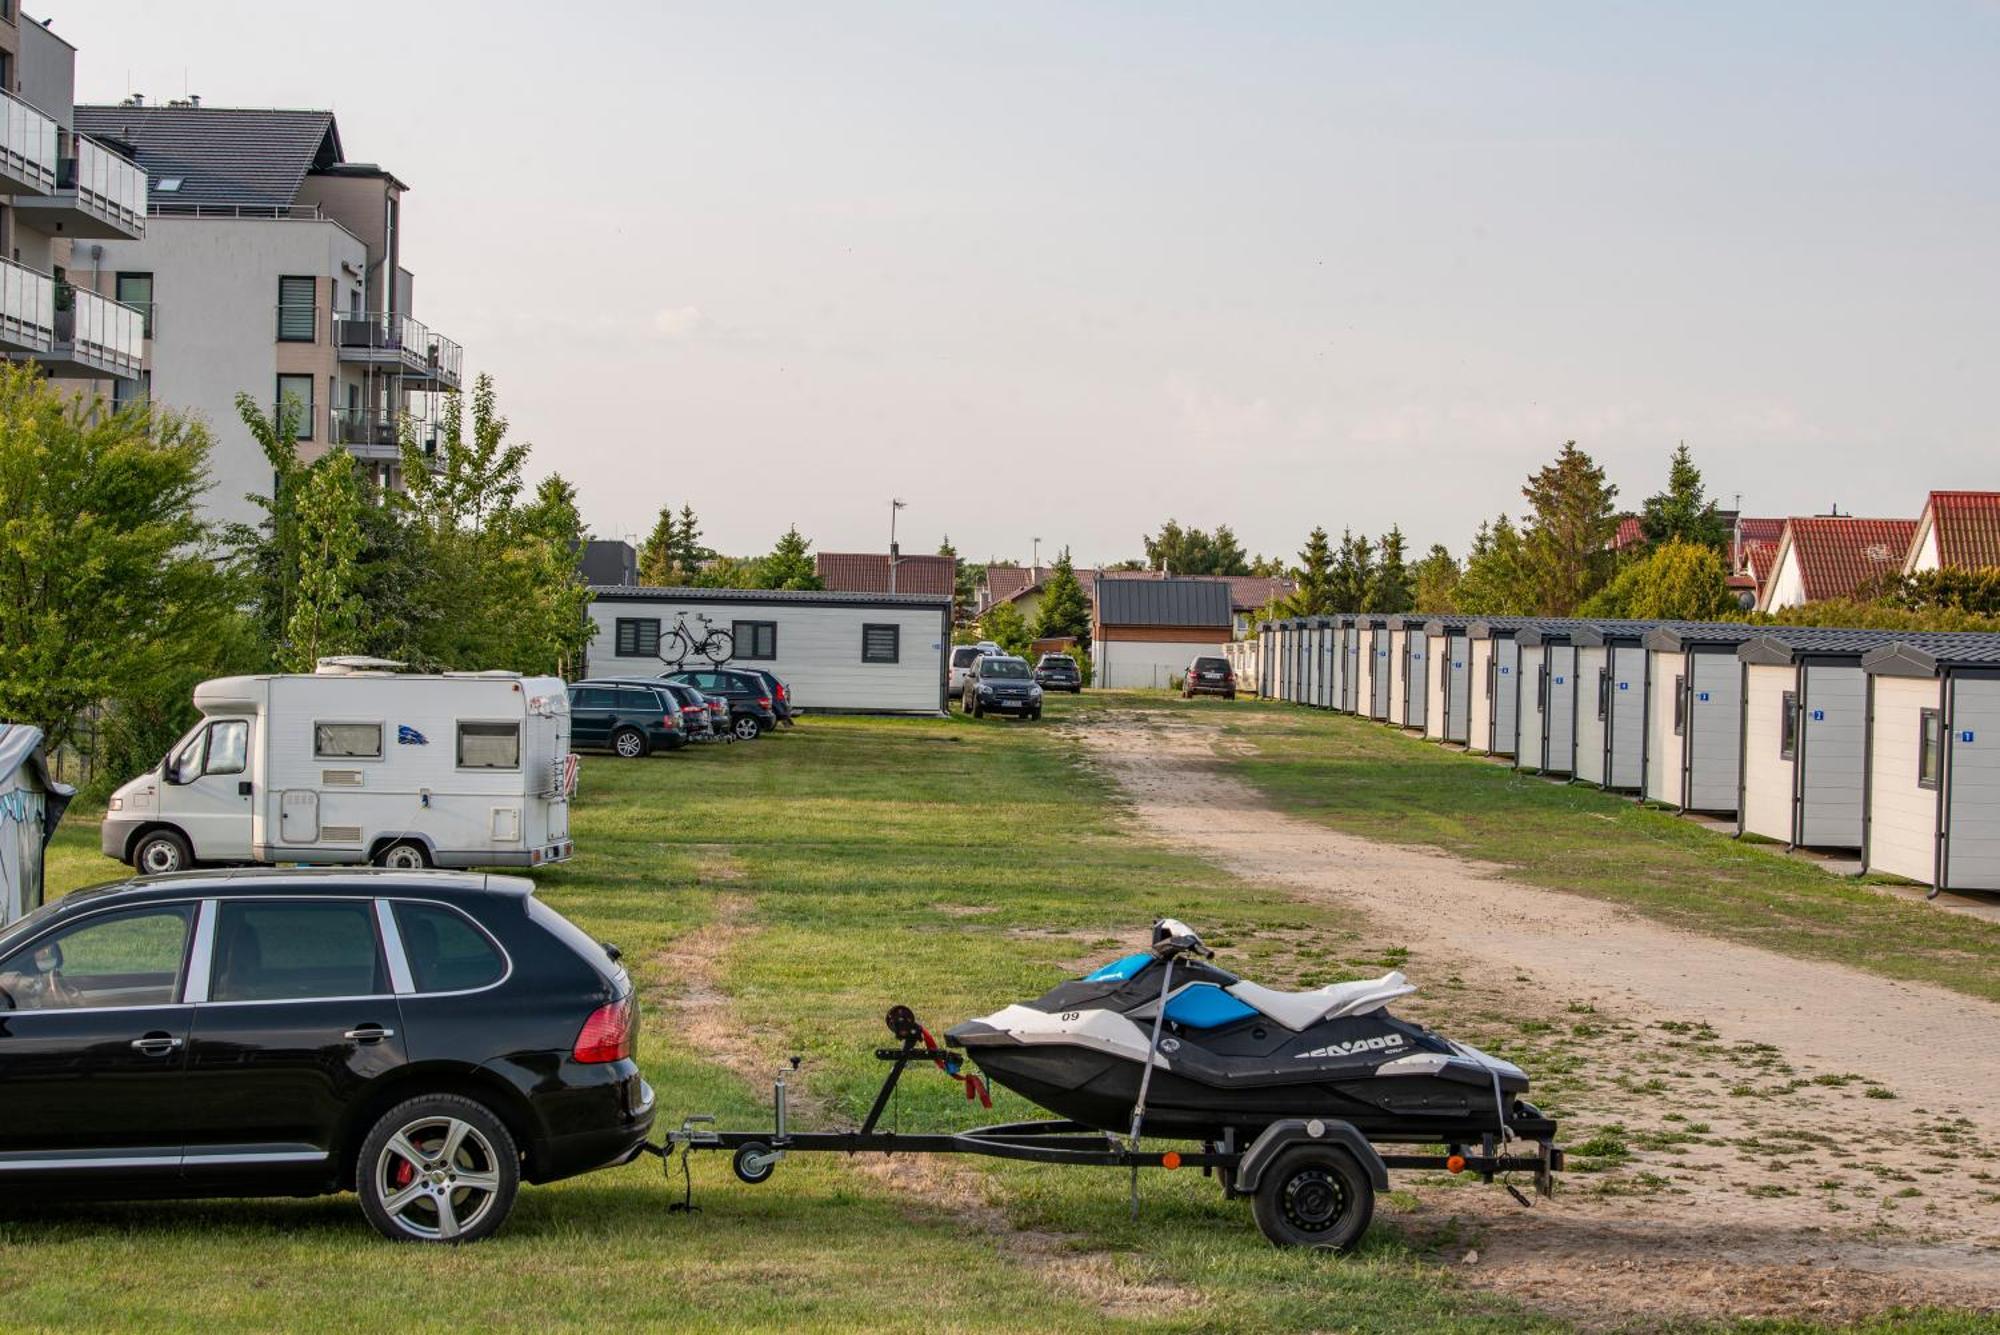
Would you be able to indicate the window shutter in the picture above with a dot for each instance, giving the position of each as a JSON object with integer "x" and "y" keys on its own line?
{"x": 297, "y": 322}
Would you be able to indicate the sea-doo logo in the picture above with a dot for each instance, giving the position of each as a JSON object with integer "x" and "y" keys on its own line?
{"x": 1376, "y": 1044}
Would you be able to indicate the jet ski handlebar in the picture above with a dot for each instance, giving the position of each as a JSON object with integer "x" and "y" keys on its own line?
{"x": 1172, "y": 937}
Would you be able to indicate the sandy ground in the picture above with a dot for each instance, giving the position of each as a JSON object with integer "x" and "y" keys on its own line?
{"x": 1776, "y": 1136}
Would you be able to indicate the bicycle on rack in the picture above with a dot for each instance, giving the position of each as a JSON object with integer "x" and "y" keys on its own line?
{"x": 714, "y": 644}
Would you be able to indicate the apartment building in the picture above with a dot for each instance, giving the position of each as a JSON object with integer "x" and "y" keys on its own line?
{"x": 64, "y": 196}
{"x": 271, "y": 265}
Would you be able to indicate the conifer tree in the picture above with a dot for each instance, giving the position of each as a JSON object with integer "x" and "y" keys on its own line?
{"x": 656, "y": 556}
{"x": 1389, "y": 586}
{"x": 1314, "y": 596}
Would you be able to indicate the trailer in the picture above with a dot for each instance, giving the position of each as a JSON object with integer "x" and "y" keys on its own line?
{"x": 1286, "y": 1171}
{"x": 1933, "y": 762}
{"x": 1694, "y": 716}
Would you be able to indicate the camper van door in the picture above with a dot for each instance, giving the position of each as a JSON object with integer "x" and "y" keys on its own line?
{"x": 207, "y": 790}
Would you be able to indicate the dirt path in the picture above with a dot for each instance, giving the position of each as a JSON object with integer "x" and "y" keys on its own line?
{"x": 1776, "y": 1136}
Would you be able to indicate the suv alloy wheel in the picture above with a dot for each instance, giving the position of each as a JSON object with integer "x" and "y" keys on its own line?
{"x": 438, "y": 1169}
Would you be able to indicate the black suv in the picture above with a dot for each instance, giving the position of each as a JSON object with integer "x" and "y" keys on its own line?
{"x": 751, "y": 712}
{"x": 1058, "y": 672}
{"x": 1209, "y": 675}
{"x": 781, "y": 693}
{"x": 427, "y": 1040}
{"x": 1001, "y": 684}
{"x": 632, "y": 718}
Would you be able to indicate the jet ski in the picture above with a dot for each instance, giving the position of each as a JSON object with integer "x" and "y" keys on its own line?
{"x": 1229, "y": 1057}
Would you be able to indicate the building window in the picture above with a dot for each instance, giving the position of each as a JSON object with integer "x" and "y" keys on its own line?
{"x": 1788, "y": 727}
{"x": 881, "y": 644}
{"x": 1603, "y": 692}
{"x": 298, "y": 388}
{"x": 754, "y": 639}
{"x": 125, "y": 391}
{"x": 638, "y": 637}
{"x": 1680, "y": 705}
{"x": 298, "y": 314}
{"x": 136, "y": 289}
{"x": 347, "y": 741}
{"x": 489, "y": 746}
{"x": 1930, "y": 749}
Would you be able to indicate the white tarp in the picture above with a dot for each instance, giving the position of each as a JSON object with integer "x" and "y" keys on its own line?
{"x": 31, "y": 802}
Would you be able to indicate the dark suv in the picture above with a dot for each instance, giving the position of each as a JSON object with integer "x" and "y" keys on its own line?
{"x": 751, "y": 712}
{"x": 632, "y": 718}
{"x": 1058, "y": 672}
{"x": 1209, "y": 676}
{"x": 696, "y": 716}
{"x": 781, "y": 693}
{"x": 427, "y": 1040}
{"x": 1001, "y": 684}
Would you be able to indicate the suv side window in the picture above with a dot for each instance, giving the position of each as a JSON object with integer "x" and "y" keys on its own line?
{"x": 132, "y": 958}
{"x": 589, "y": 697}
{"x": 638, "y": 699}
{"x": 293, "y": 949}
{"x": 446, "y": 952}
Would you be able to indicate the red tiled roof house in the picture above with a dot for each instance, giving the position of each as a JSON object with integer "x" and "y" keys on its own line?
{"x": 1833, "y": 556}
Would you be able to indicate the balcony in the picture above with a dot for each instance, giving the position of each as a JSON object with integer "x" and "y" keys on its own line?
{"x": 95, "y": 337}
{"x": 27, "y": 311}
{"x": 400, "y": 344}
{"x": 96, "y": 193}
{"x": 29, "y": 156}
{"x": 375, "y": 433}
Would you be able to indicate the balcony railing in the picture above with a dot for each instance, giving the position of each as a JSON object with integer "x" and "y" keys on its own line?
{"x": 372, "y": 433}
{"x": 27, "y": 308}
{"x": 28, "y": 148}
{"x": 399, "y": 340}
{"x": 98, "y": 332}
{"x": 106, "y": 184}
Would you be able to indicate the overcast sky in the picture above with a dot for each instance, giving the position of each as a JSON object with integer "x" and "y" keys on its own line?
{"x": 1063, "y": 271}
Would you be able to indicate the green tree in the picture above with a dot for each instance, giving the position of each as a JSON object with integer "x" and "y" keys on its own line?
{"x": 1436, "y": 581}
{"x": 729, "y": 572}
{"x": 1498, "y": 580}
{"x": 689, "y": 554}
{"x": 965, "y": 588}
{"x": 1064, "y": 610}
{"x": 326, "y": 613}
{"x": 269, "y": 550}
{"x": 1683, "y": 512}
{"x": 790, "y": 564}
{"x": 656, "y": 554}
{"x": 551, "y": 540}
{"x": 1190, "y": 551}
{"x": 1389, "y": 586}
{"x": 1676, "y": 581}
{"x": 1353, "y": 571}
{"x": 1314, "y": 596}
{"x": 1005, "y": 626}
{"x": 110, "y": 592}
{"x": 1950, "y": 588}
{"x": 1570, "y": 526}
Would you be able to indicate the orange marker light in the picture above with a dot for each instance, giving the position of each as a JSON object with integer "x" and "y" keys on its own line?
{"x": 1455, "y": 1164}
{"x": 1171, "y": 1159}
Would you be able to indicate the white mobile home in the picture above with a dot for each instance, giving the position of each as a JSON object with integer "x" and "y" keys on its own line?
{"x": 1446, "y": 716}
{"x": 1305, "y": 650}
{"x": 1495, "y": 670}
{"x": 1316, "y": 637}
{"x": 1548, "y": 699}
{"x": 1415, "y": 675}
{"x": 1805, "y": 734}
{"x": 1350, "y": 663}
{"x": 864, "y": 653}
{"x": 1374, "y": 685}
{"x": 1336, "y": 662}
{"x": 358, "y": 763}
{"x": 31, "y": 803}
{"x": 1694, "y": 716}
{"x": 1611, "y": 703}
{"x": 1398, "y": 667}
{"x": 1933, "y": 766}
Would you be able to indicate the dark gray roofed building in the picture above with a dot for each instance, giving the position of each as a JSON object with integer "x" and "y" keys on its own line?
{"x": 1144, "y": 633}
{"x": 238, "y": 157}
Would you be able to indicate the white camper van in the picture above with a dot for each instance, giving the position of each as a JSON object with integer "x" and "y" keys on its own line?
{"x": 358, "y": 763}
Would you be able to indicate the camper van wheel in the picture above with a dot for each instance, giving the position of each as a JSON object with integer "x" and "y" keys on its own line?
{"x": 162, "y": 851}
{"x": 403, "y": 856}
{"x": 629, "y": 743}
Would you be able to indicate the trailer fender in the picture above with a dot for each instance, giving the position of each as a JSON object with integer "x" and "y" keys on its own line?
{"x": 1281, "y": 1136}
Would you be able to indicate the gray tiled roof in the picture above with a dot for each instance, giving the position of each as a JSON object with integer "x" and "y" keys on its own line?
{"x": 677, "y": 593}
{"x": 1163, "y": 602}
{"x": 238, "y": 156}
{"x": 1924, "y": 655}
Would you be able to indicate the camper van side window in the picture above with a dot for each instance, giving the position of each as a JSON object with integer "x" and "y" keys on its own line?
{"x": 1788, "y": 727}
{"x": 489, "y": 746}
{"x": 228, "y": 746}
{"x": 1930, "y": 754}
{"x": 347, "y": 741}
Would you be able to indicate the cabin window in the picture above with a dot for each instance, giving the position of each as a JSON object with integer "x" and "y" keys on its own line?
{"x": 1680, "y": 705}
{"x": 1930, "y": 749}
{"x": 1788, "y": 727}
{"x": 1603, "y": 692}
{"x": 638, "y": 637}
{"x": 881, "y": 644}
{"x": 347, "y": 741}
{"x": 1542, "y": 688}
{"x": 489, "y": 746}
{"x": 754, "y": 639}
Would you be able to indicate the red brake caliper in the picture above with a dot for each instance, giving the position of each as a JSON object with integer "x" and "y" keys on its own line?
{"x": 404, "y": 1172}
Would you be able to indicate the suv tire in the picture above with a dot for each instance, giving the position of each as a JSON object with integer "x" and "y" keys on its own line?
{"x": 629, "y": 743}
{"x": 160, "y": 851}
{"x": 458, "y": 1197}
{"x": 747, "y": 727}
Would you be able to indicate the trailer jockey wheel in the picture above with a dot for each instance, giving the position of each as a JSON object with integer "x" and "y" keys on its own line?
{"x": 1314, "y": 1196}
{"x": 754, "y": 1163}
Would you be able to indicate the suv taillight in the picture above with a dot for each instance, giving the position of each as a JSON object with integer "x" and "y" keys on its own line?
{"x": 608, "y": 1034}
{"x": 763, "y": 702}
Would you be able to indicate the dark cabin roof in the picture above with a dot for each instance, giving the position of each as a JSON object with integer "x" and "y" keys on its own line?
{"x": 1677, "y": 636}
{"x": 1164, "y": 602}
{"x": 239, "y": 157}
{"x": 1929, "y": 654}
{"x": 1782, "y": 646}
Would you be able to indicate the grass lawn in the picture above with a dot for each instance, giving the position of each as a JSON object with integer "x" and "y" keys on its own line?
{"x": 812, "y": 879}
{"x": 1367, "y": 779}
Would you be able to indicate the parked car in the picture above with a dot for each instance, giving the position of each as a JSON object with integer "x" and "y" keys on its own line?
{"x": 1208, "y": 675}
{"x": 962, "y": 659}
{"x": 698, "y": 713}
{"x": 1058, "y": 672}
{"x": 781, "y": 694}
{"x": 628, "y": 718}
{"x": 751, "y": 711}
{"x": 427, "y": 1040}
{"x": 1002, "y": 684}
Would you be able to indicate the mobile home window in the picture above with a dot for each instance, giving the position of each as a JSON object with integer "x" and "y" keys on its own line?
{"x": 881, "y": 644}
{"x": 1930, "y": 749}
{"x": 1680, "y": 705}
{"x": 1788, "y": 727}
{"x": 489, "y": 746}
{"x": 1603, "y": 692}
{"x": 638, "y": 637}
{"x": 346, "y": 741}
{"x": 297, "y": 318}
{"x": 754, "y": 639}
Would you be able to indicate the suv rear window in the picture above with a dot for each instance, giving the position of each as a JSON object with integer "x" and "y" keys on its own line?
{"x": 1210, "y": 664}
{"x": 446, "y": 952}
{"x": 965, "y": 655}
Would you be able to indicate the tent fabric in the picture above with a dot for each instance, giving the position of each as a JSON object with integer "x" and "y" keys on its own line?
{"x": 21, "y": 746}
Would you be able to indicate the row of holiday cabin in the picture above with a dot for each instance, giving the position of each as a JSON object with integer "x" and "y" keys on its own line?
{"x": 1879, "y": 742}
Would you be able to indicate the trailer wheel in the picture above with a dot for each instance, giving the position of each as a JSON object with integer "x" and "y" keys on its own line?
{"x": 404, "y": 855}
{"x": 754, "y": 1163}
{"x": 161, "y": 851}
{"x": 1314, "y": 1196}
